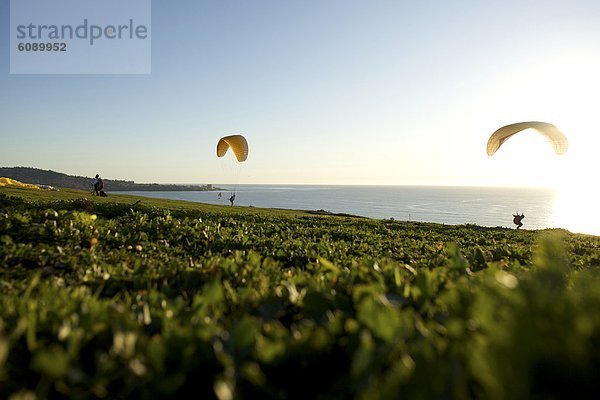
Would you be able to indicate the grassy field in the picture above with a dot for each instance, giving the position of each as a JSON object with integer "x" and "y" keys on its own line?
{"x": 130, "y": 297}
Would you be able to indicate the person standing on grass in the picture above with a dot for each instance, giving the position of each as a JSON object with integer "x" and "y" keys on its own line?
{"x": 98, "y": 185}
{"x": 232, "y": 199}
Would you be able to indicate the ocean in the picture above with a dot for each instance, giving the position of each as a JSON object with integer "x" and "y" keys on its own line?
{"x": 485, "y": 206}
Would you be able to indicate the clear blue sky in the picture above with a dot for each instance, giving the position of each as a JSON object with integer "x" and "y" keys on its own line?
{"x": 336, "y": 92}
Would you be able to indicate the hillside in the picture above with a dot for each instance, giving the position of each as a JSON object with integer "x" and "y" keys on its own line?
{"x": 126, "y": 297}
{"x": 57, "y": 179}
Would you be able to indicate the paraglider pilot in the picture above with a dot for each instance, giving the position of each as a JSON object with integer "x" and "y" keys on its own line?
{"x": 98, "y": 185}
{"x": 517, "y": 219}
{"x": 232, "y": 199}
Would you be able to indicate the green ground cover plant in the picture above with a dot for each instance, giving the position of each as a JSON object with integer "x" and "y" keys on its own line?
{"x": 131, "y": 298}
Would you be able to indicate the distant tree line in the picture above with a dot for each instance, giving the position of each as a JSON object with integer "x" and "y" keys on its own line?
{"x": 57, "y": 179}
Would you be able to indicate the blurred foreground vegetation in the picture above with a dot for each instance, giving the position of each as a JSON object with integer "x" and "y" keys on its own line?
{"x": 105, "y": 299}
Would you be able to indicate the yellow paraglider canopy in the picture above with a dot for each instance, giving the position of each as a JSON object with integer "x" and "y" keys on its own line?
{"x": 552, "y": 133}
{"x": 238, "y": 144}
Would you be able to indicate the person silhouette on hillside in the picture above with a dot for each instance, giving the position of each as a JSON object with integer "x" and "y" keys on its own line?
{"x": 98, "y": 185}
{"x": 232, "y": 199}
{"x": 517, "y": 219}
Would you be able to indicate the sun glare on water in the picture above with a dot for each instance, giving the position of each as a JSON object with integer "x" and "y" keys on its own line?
{"x": 578, "y": 191}
{"x": 576, "y": 209}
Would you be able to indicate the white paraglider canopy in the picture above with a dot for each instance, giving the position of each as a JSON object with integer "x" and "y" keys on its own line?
{"x": 552, "y": 133}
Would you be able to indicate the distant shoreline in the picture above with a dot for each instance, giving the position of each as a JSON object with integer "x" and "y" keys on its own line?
{"x": 159, "y": 187}
{"x": 38, "y": 176}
